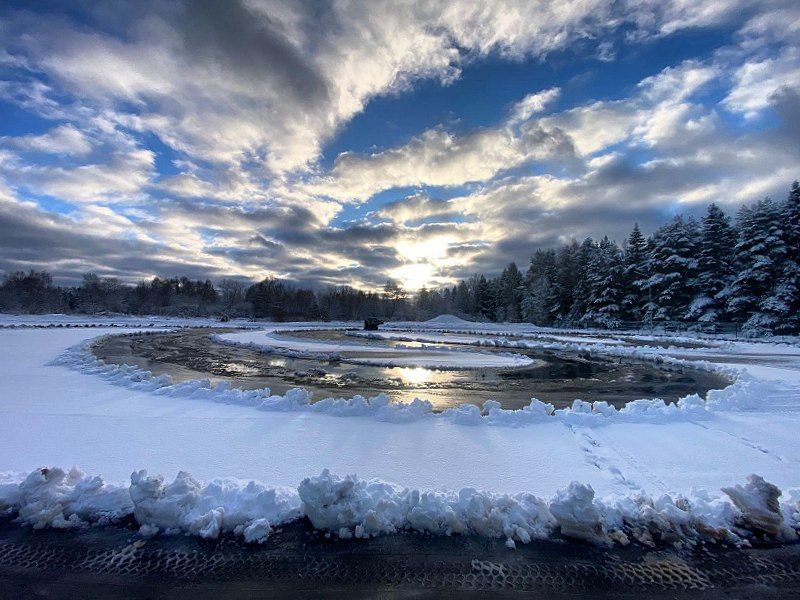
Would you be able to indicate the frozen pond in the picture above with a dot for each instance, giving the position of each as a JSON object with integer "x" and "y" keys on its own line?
{"x": 552, "y": 376}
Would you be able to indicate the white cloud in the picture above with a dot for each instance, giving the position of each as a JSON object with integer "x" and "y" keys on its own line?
{"x": 780, "y": 23}
{"x": 756, "y": 81}
{"x": 683, "y": 14}
{"x": 663, "y": 114}
{"x": 121, "y": 179}
{"x": 595, "y": 126}
{"x": 532, "y": 104}
{"x": 677, "y": 83}
{"x": 64, "y": 139}
{"x": 440, "y": 158}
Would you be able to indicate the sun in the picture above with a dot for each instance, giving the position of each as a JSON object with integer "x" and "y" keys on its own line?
{"x": 413, "y": 276}
{"x": 423, "y": 260}
{"x": 430, "y": 250}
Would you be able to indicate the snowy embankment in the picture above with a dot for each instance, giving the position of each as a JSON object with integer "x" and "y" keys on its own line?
{"x": 124, "y": 321}
{"x": 626, "y": 348}
{"x": 435, "y": 357}
{"x": 349, "y": 506}
{"x": 648, "y": 471}
{"x": 451, "y": 323}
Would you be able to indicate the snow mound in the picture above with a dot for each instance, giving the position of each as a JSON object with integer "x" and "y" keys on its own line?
{"x": 578, "y": 515}
{"x": 759, "y": 506}
{"x": 353, "y": 507}
{"x": 363, "y": 508}
{"x": 63, "y": 499}
{"x": 225, "y": 505}
{"x": 60, "y": 499}
{"x": 451, "y": 320}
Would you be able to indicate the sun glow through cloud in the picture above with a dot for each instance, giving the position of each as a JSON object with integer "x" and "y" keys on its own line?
{"x": 414, "y": 276}
{"x": 425, "y": 260}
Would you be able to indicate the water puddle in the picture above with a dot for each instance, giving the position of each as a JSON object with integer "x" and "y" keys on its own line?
{"x": 555, "y": 377}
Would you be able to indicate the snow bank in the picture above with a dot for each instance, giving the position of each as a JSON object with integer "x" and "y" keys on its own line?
{"x": 11, "y": 321}
{"x": 82, "y": 420}
{"x": 474, "y": 338}
{"x": 579, "y": 516}
{"x": 248, "y": 509}
{"x": 457, "y": 359}
{"x": 353, "y": 507}
{"x": 60, "y": 499}
{"x": 529, "y": 329}
{"x": 759, "y": 506}
{"x": 597, "y": 347}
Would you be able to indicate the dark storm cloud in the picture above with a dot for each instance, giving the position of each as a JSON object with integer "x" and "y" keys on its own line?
{"x": 293, "y": 216}
{"x": 260, "y": 240}
{"x": 359, "y": 234}
{"x": 377, "y": 258}
{"x": 250, "y": 45}
{"x": 27, "y": 235}
{"x": 316, "y": 276}
{"x": 786, "y": 103}
{"x": 30, "y": 241}
{"x": 244, "y": 256}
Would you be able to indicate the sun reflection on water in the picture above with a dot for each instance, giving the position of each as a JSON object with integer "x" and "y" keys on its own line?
{"x": 415, "y": 375}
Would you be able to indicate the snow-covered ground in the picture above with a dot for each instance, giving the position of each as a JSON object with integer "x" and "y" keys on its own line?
{"x": 60, "y": 320}
{"x": 649, "y": 470}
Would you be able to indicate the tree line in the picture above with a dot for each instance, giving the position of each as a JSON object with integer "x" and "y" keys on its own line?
{"x": 744, "y": 270}
{"x": 34, "y": 292}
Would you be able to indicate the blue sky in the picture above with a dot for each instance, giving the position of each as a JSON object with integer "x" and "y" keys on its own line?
{"x": 334, "y": 143}
{"x": 486, "y": 90}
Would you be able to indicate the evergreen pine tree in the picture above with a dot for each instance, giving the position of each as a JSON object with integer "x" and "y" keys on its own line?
{"x": 535, "y": 303}
{"x": 759, "y": 254}
{"x": 672, "y": 265}
{"x": 563, "y": 281}
{"x": 539, "y": 287}
{"x": 791, "y": 272}
{"x": 605, "y": 279}
{"x": 714, "y": 266}
{"x": 635, "y": 275}
{"x": 509, "y": 288}
{"x": 484, "y": 298}
{"x": 580, "y": 292}
{"x": 462, "y": 299}
{"x": 783, "y": 302}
